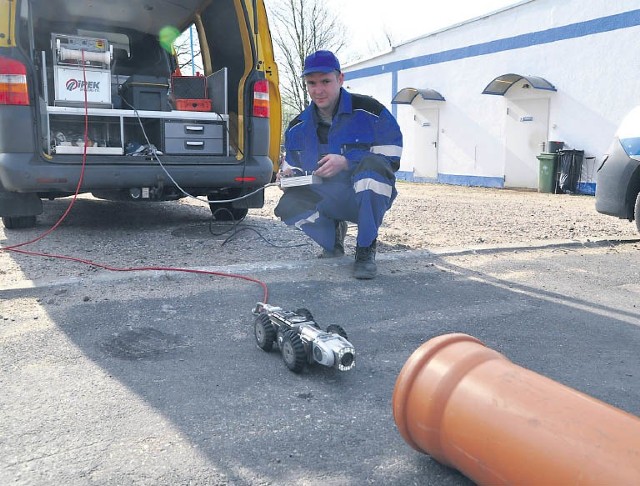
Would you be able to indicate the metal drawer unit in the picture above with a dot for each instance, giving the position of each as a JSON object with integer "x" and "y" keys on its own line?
{"x": 194, "y": 137}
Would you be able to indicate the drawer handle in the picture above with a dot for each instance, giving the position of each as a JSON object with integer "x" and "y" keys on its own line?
{"x": 194, "y": 128}
{"x": 190, "y": 144}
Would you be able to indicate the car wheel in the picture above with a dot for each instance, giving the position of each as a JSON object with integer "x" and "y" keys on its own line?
{"x": 636, "y": 212}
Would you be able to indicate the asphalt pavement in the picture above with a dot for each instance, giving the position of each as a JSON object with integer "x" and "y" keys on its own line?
{"x": 165, "y": 384}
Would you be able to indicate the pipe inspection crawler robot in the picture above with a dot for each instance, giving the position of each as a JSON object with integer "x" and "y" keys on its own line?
{"x": 301, "y": 340}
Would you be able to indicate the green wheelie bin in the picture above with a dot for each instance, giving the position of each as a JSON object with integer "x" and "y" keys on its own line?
{"x": 547, "y": 172}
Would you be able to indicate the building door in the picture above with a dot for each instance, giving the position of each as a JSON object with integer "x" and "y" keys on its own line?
{"x": 526, "y": 130}
{"x": 425, "y": 142}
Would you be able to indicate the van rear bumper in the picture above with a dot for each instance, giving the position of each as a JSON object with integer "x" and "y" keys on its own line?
{"x": 26, "y": 173}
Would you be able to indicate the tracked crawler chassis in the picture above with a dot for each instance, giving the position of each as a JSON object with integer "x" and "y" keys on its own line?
{"x": 300, "y": 339}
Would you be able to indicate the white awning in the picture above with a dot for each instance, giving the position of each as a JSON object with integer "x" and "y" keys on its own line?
{"x": 500, "y": 85}
{"x": 406, "y": 95}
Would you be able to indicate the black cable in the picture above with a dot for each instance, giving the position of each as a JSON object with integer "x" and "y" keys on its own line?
{"x": 249, "y": 228}
{"x": 232, "y": 220}
{"x": 234, "y": 228}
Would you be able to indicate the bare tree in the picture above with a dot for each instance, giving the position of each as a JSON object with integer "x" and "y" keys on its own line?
{"x": 187, "y": 49}
{"x": 300, "y": 27}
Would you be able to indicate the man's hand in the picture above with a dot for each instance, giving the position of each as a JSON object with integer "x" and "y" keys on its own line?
{"x": 330, "y": 165}
{"x": 283, "y": 172}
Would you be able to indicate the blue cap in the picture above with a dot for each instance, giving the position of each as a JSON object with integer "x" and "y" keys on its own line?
{"x": 321, "y": 62}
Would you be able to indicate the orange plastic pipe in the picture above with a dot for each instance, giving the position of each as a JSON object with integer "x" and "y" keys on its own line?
{"x": 470, "y": 408}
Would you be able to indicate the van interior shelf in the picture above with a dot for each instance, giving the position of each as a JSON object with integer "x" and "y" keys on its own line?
{"x": 110, "y": 130}
{"x": 173, "y": 114}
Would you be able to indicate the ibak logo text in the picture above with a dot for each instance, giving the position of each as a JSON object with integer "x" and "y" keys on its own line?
{"x": 89, "y": 86}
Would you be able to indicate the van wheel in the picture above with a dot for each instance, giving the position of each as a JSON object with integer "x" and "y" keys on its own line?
{"x": 224, "y": 212}
{"x": 19, "y": 222}
{"x": 636, "y": 212}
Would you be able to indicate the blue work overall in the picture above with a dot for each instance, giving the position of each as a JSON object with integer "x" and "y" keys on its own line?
{"x": 368, "y": 136}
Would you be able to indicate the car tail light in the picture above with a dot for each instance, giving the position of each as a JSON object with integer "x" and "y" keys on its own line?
{"x": 261, "y": 99}
{"x": 13, "y": 82}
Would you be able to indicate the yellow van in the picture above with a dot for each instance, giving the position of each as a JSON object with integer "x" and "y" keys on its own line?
{"x": 99, "y": 85}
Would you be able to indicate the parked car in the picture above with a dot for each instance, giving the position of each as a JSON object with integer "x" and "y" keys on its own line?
{"x": 618, "y": 177}
{"x": 102, "y": 80}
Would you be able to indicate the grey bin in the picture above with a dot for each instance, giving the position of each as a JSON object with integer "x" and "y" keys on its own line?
{"x": 553, "y": 147}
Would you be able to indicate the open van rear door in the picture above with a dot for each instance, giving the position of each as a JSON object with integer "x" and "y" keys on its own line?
{"x": 257, "y": 78}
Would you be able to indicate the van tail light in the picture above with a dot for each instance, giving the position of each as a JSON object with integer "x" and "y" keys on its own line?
{"x": 261, "y": 99}
{"x": 13, "y": 82}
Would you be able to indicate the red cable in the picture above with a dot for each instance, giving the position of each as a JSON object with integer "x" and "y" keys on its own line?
{"x": 14, "y": 248}
{"x": 141, "y": 269}
{"x": 80, "y": 180}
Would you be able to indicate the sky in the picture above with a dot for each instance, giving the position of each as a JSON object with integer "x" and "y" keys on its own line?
{"x": 368, "y": 20}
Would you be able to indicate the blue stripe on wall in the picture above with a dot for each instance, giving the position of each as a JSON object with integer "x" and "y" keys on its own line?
{"x": 453, "y": 179}
{"x": 394, "y": 89}
{"x": 580, "y": 29}
{"x": 472, "y": 181}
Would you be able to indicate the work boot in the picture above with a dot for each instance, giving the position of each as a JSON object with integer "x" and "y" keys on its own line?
{"x": 338, "y": 246}
{"x": 365, "y": 266}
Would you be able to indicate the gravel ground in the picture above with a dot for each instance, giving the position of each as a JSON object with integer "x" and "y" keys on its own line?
{"x": 425, "y": 216}
{"x": 429, "y": 216}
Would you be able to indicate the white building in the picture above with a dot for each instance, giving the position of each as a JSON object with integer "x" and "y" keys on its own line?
{"x": 479, "y": 101}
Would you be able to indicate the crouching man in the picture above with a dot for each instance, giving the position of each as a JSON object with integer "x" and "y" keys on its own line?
{"x": 353, "y": 143}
